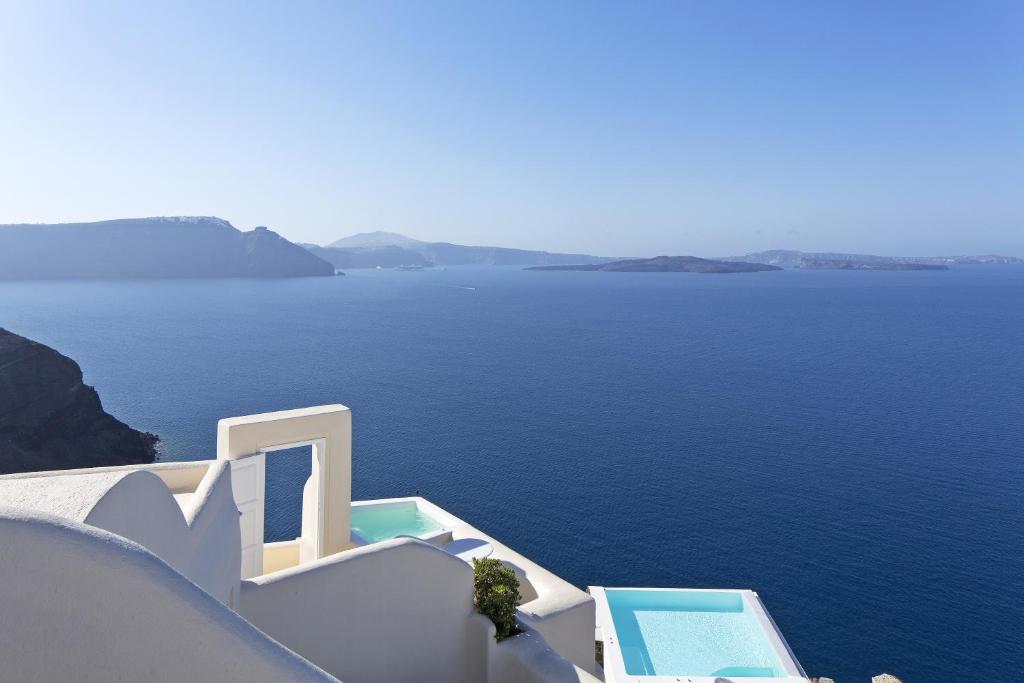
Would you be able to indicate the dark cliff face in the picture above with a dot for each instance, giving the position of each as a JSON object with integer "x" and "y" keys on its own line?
{"x": 179, "y": 247}
{"x": 267, "y": 254}
{"x": 50, "y": 420}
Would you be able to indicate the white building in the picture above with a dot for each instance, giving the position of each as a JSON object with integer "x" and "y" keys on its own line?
{"x": 160, "y": 572}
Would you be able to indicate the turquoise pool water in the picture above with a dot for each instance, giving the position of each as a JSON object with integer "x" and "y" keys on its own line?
{"x": 388, "y": 520}
{"x": 690, "y": 633}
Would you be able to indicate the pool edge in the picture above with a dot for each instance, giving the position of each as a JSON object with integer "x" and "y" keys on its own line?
{"x": 614, "y": 664}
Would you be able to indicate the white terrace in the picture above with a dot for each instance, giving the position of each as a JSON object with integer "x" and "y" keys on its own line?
{"x": 160, "y": 572}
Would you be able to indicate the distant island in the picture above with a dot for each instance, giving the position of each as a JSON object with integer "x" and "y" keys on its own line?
{"x": 50, "y": 420}
{"x": 666, "y": 264}
{"x": 390, "y": 250}
{"x": 789, "y": 258}
{"x": 837, "y": 264}
{"x": 177, "y": 247}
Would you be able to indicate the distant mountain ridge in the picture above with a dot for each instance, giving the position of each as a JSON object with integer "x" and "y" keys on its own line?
{"x": 389, "y": 249}
{"x": 164, "y": 247}
{"x": 667, "y": 264}
{"x": 379, "y": 238}
{"x": 791, "y": 258}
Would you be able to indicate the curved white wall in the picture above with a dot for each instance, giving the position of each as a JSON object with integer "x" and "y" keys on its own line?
{"x": 400, "y": 610}
{"x": 81, "y": 604}
{"x": 202, "y": 542}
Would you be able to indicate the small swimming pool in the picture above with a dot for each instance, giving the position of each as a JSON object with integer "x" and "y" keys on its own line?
{"x": 374, "y": 521}
{"x": 697, "y": 635}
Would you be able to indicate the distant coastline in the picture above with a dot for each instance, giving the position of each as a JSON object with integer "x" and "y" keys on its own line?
{"x": 837, "y": 264}
{"x": 391, "y": 250}
{"x": 210, "y": 247}
{"x": 666, "y": 264}
{"x": 791, "y": 258}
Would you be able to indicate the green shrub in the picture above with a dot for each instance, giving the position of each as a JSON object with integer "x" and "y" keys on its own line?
{"x": 496, "y": 594}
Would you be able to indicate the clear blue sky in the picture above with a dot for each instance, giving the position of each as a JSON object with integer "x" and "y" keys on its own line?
{"x": 633, "y": 128}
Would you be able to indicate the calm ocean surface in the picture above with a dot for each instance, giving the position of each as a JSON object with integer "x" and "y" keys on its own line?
{"x": 850, "y": 445}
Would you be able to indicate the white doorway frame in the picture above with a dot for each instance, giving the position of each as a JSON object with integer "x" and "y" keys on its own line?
{"x": 246, "y": 440}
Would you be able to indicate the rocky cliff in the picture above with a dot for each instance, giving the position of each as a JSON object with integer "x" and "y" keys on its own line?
{"x": 177, "y": 247}
{"x": 50, "y": 420}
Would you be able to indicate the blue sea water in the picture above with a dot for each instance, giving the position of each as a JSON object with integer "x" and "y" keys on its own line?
{"x": 848, "y": 444}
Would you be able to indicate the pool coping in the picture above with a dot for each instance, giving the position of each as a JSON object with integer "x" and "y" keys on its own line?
{"x": 615, "y": 667}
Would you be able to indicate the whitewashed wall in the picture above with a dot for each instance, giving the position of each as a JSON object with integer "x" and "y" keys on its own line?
{"x": 200, "y": 541}
{"x": 528, "y": 658}
{"x": 81, "y": 604}
{"x": 401, "y": 610}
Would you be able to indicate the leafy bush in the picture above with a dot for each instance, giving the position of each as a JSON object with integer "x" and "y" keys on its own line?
{"x": 496, "y": 594}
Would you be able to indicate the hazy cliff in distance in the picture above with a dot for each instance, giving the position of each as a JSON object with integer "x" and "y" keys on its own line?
{"x": 178, "y": 247}
{"x": 389, "y": 249}
{"x": 50, "y": 420}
